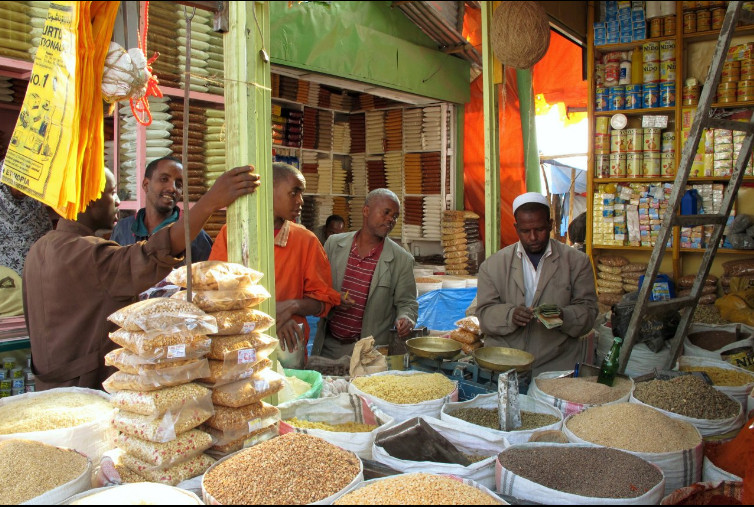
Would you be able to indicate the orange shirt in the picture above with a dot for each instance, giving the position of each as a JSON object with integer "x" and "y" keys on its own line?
{"x": 301, "y": 267}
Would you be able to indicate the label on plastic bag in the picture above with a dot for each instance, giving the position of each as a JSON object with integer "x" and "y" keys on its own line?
{"x": 248, "y": 327}
{"x": 176, "y": 351}
{"x": 255, "y": 424}
{"x": 246, "y": 356}
{"x": 261, "y": 385}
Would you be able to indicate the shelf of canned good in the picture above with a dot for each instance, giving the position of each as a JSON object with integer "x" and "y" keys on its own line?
{"x": 642, "y": 111}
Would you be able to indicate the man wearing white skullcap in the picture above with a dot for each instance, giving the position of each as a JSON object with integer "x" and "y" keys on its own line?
{"x": 537, "y": 271}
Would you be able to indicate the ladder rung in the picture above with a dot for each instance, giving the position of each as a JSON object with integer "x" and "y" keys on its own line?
{"x": 747, "y": 17}
{"x": 669, "y": 304}
{"x": 695, "y": 220}
{"x": 719, "y": 123}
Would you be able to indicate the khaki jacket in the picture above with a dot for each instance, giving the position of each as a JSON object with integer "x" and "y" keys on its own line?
{"x": 567, "y": 280}
{"x": 392, "y": 294}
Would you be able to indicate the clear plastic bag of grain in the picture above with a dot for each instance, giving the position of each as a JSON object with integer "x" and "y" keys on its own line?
{"x": 151, "y": 380}
{"x": 226, "y": 300}
{"x": 244, "y": 321}
{"x": 164, "y": 316}
{"x": 152, "y": 347}
{"x": 221, "y": 373}
{"x": 616, "y": 261}
{"x": 167, "y": 400}
{"x": 216, "y": 275}
{"x": 463, "y": 336}
{"x": 242, "y": 348}
{"x": 128, "y": 362}
{"x": 247, "y": 391}
{"x": 223, "y": 448}
{"x": 470, "y": 324}
{"x": 244, "y": 420}
{"x": 162, "y": 428}
{"x": 172, "y": 475}
{"x": 186, "y": 446}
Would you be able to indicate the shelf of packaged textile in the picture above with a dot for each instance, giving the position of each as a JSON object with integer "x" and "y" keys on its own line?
{"x": 714, "y": 34}
{"x": 647, "y": 110}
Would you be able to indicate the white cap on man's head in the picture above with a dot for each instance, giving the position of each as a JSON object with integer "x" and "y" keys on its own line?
{"x": 527, "y": 198}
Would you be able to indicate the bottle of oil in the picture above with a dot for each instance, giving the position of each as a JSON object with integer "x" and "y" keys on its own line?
{"x": 611, "y": 363}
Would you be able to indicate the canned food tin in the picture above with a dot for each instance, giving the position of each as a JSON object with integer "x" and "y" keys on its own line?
{"x": 667, "y": 71}
{"x": 618, "y": 165}
{"x": 9, "y": 362}
{"x": 703, "y": 20}
{"x": 650, "y": 164}
{"x": 633, "y": 164}
{"x": 617, "y": 141}
{"x": 602, "y": 97}
{"x": 6, "y": 384}
{"x": 612, "y": 73}
{"x": 726, "y": 92}
{"x": 667, "y": 94}
{"x": 17, "y": 372}
{"x": 745, "y": 91}
{"x": 5, "y": 393}
{"x": 731, "y": 72}
{"x": 691, "y": 95}
{"x": 634, "y": 140}
{"x": 601, "y": 125}
{"x": 655, "y": 27}
{"x": 602, "y": 145}
{"x": 599, "y": 75}
{"x": 634, "y": 98}
{"x": 667, "y": 164}
{"x": 652, "y": 139}
{"x": 669, "y": 25}
{"x": 718, "y": 15}
{"x": 30, "y": 388}
{"x": 28, "y": 376}
{"x": 16, "y": 392}
{"x": 650, "y": 52}
{"x": 617, "y": 98}
{"x": 651, "y": 95}
{"x": 28, "y": 360}
{"x": 4, "y": 374}
{"x": 668, "y": 142}
{"x": 667, "y": 50}
{"x": 18, "y": 383}
{"x": 651, "y": 72}
{"x": 689, "y": 22}
{"x": 602, "y": 166}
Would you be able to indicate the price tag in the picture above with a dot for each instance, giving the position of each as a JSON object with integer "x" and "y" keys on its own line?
{"x": 248, "y": 327}
{"x": 261, "y": 386}
{"x": 246, "y": 356}
{"x": 176, "y": 351}
{"x": 654, "y": 121}
{"x": 255, "y": 424}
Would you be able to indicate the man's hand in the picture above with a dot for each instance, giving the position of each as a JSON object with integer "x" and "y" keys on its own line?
{"x": 285, "y": 310}
{"x": 291, "y": 335}
{"x": 522, "y": 315}
{"x": 346, "y": 303}
{"x": 404, "y": 327}
{"x": 231, "y": 185}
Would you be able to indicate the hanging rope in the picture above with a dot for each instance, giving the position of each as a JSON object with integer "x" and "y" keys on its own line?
{"x": 140, "y": 106}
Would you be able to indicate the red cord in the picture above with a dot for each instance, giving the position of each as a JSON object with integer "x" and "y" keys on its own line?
{"x": 140, "y": 106}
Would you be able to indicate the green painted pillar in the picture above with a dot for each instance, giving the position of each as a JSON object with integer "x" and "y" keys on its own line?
{"x": 529, "y": 130}
{"x": 460, "y": 119}
{"x": 491, "y": 139}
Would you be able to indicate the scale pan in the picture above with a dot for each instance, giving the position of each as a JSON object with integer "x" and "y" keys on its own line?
{"x": 433, "y": 347}
{"x": 503, "y": 359}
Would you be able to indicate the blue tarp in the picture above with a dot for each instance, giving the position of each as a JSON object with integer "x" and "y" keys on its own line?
{"x": 440, "y": 309}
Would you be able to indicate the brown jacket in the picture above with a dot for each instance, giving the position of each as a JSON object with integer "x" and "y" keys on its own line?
{"x": 567, "y": 280}
{"x": 72, "y": 282}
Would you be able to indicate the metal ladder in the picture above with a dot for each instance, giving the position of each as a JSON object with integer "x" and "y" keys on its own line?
{"x": 687, "y": 304}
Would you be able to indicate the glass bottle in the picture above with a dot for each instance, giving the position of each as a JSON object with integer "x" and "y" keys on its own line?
{"x": 610, "y": 364}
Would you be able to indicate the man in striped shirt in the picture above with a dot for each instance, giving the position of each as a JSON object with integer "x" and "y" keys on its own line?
{"x": 375, "y": 278}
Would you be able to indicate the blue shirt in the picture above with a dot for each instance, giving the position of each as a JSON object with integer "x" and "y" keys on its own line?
{"x": 131, "y": 229}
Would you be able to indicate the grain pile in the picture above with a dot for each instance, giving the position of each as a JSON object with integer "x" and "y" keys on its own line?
{"x": 633, "y": 427}
{"x": 159, "y": 405}
{"x": 468, "y": 334}
{"x": 417, "y": 489}
{"x": 406, "y": 389}
{"x": 489, "y": 418}
{"x": 291, "y": 469}
{"x": 723, "y": 377}
{"x": 52, "y": 411}
{"x": 29, "y": 469}
{"x": 689, "y": 396}
{"x": 349, "y": 427}
{"x": 461, "y": 242}
{"x": 239, "y": 373}
{"x": 584, "y": 390}
{"x": 581, "y": 470}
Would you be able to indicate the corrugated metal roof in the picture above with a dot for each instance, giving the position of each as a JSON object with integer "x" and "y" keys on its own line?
{"x": 443, "y": 23}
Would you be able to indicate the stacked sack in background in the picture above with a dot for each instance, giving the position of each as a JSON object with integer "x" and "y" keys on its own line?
{"x": 630, "y": 274}
{"x": 709, "y": 291}
{"x": 468, "y": 334}
{"x": 610, "y": 279}
{"x": 239, "y": 373}
{"x": 164, "y": 347}
{"x": 738, "y": 276}
{"x": 462, "y": 249}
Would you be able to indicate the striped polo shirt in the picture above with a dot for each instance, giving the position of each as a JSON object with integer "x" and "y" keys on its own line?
{"x": 345, "y": 325}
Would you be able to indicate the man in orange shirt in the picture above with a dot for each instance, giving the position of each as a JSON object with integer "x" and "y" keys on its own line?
{"x": 303, "y": 283}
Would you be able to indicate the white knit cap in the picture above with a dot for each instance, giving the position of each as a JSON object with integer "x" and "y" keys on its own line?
{"x": 529, "y": 197}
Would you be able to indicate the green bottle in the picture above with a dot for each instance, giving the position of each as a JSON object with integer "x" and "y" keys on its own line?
{"x": 610, "y": 364}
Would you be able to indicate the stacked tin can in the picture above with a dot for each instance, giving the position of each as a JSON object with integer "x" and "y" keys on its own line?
{"x": 737, "y": 80}
{"x": 602, "y": 147}
{"x": 703, "y": 16}
{"x": 15, "y": 378}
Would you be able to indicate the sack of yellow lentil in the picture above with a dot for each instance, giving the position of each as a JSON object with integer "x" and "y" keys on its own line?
{"x": 160, "y": 347}
{"x": 346, "y": 420}
{"x": 247, "y": 391}
{"x": 406, "y": 394}
{"x": 226, "y": 300}
{"x": 151, "y": 380}
{"x": 186, "y": 446}
{"x": 216, "y": 275}
{"x": 228, "y": 442}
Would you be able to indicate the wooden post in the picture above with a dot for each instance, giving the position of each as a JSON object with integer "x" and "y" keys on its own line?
{"x": 491, "y": 139}
{"x": 248, "y": 140}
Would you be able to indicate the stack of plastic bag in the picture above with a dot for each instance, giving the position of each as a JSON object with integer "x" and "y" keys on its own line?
{"x": 460, "y": 241}
{"x": 164, "y": 343}
{"x": 240, "y": 375}
{"x": 610, "y": 279}
{"x": 468, "y": 334}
